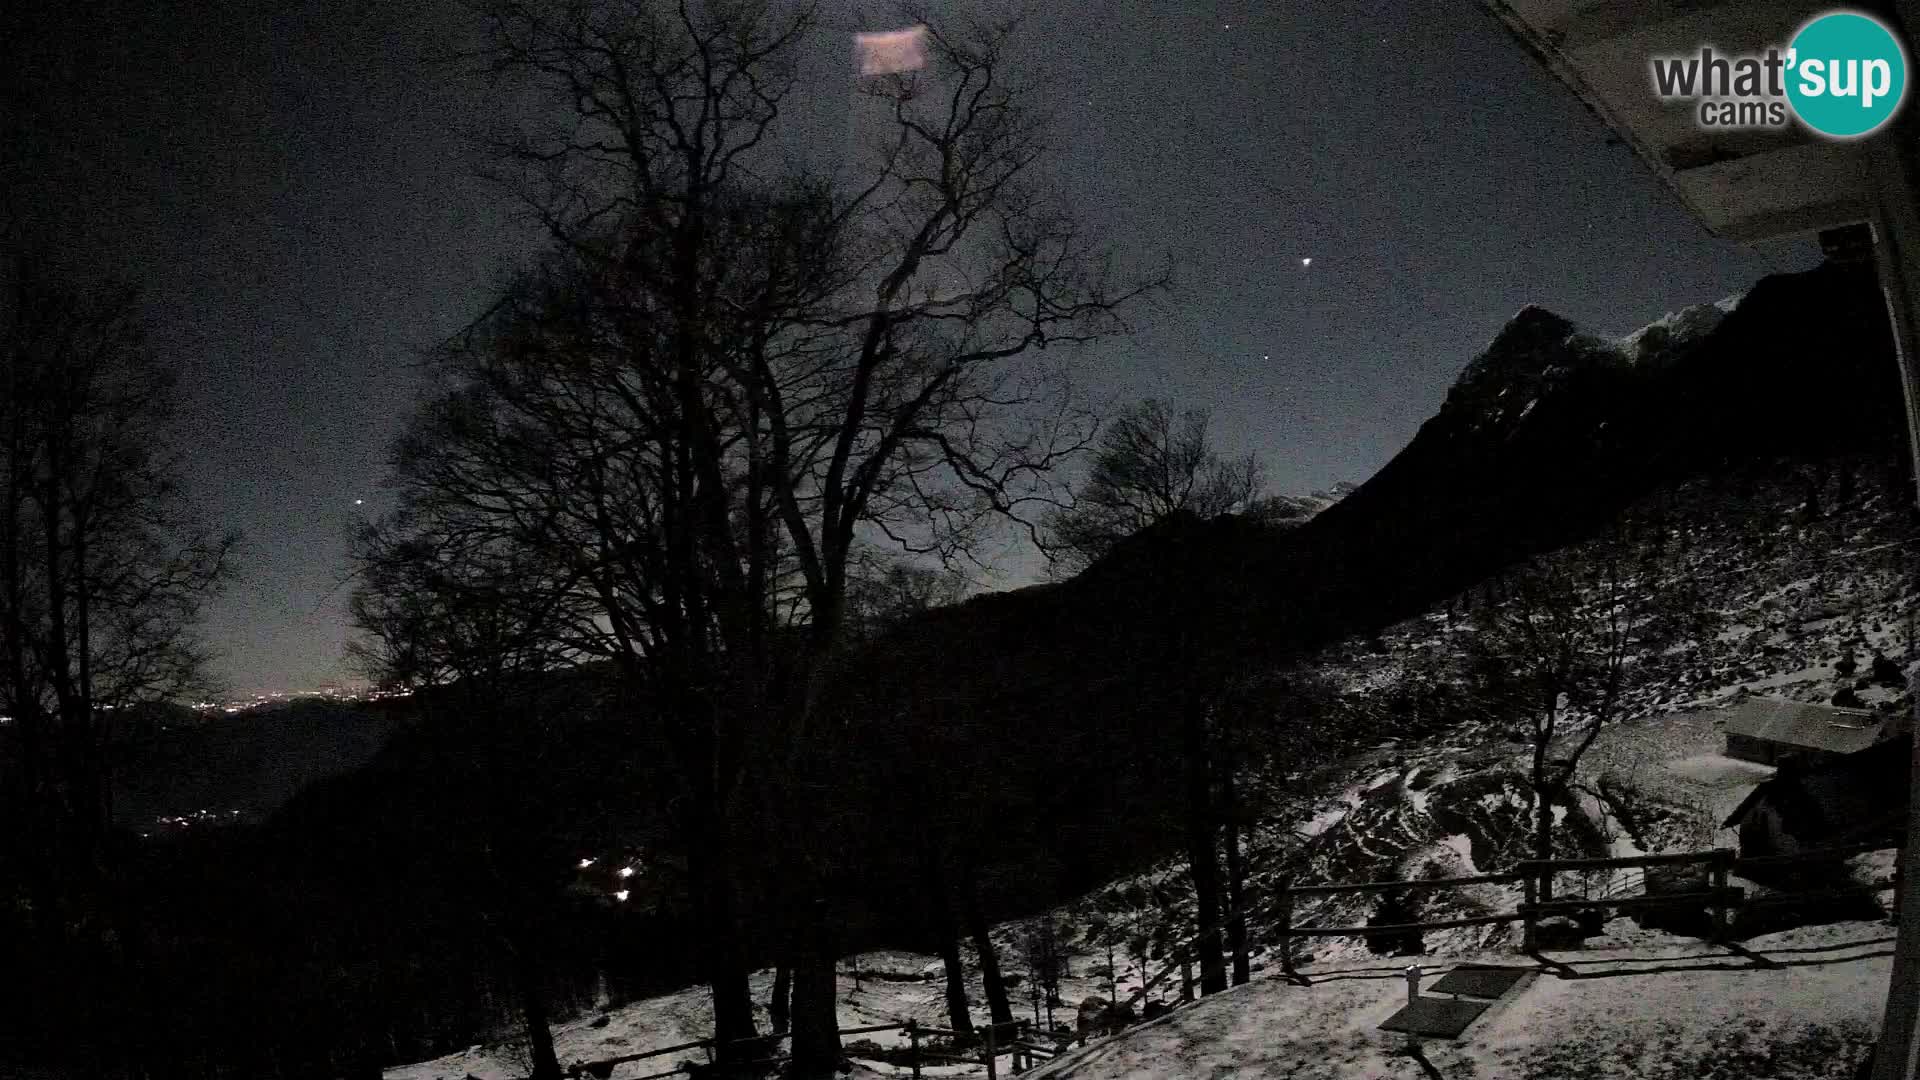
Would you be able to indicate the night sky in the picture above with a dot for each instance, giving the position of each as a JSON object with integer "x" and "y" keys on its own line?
{"x": 288, "y": 183}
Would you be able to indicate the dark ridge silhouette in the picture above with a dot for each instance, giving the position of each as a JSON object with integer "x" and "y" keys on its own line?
{"x": 1021, "y": 742}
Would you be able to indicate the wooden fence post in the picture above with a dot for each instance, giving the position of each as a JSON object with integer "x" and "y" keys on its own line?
{"x": 913, "y": 1041}
{"x": 1722, "y": 862}
{"x": 1286, "y": 928}
{"x": 1528, "y": 940}
{"x": 992, "y": 1073}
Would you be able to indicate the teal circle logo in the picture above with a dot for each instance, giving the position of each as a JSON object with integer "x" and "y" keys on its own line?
{"x": 1846, "y": 74}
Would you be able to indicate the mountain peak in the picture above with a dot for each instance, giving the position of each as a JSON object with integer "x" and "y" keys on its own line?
{"x": 1533, "y": 345}
{"x": 1289, "y": 510}
{"x": 1660, "y": 342}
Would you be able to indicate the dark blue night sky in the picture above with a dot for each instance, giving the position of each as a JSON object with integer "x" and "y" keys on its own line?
{"x": 289, "y": 183}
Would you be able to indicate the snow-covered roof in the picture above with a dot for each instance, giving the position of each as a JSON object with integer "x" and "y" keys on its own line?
{"x": 1799, "y": 723}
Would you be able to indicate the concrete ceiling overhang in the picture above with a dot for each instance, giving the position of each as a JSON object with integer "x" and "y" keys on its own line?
{"x": 1744, "y": 185}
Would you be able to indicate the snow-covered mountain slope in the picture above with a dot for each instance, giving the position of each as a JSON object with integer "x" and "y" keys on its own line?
{"x": 1796, "y": 582}
{"x": 1286, "y": 510}
{"x": 1665, "y": 339}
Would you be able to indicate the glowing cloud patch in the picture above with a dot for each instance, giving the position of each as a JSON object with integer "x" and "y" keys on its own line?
{"x": 890, "y": 52}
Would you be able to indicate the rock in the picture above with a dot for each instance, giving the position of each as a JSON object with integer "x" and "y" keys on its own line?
{"x": 1559, "y": 932}
{"x": 1098, "y": 1017}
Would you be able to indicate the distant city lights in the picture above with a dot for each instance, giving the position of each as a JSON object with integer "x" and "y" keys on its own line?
{"x": 282, "y": 697}
{"x": 584, "y": 863}
{"x": 626, "y": 871}
{"x": 621, "y": 896}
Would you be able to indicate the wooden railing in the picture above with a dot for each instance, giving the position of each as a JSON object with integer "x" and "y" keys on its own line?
{"x": 1719, "y": 896}
{"x": 996, "y": 1040}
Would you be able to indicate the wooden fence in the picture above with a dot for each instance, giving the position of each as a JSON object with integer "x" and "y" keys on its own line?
{"x": 996, "y": 1041}
{"x": 1013, "y": 1039}
{"x": 1719, "y": 896}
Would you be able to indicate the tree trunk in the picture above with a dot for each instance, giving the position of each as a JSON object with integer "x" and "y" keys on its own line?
{"x": 816, "y": 1023}
{"x": 780, "y": 1006}
{"x": 1202, "y": 862}
{"x": 958, "y": 1016}
{"x": 726, "y": 966}
{"x": 533, "y": 1009}
{"x": 1543, "y": 834}
{"x": 1544, "y": 729}
{"x": 996, "y": 989}
{"x": 1236, "y": 888}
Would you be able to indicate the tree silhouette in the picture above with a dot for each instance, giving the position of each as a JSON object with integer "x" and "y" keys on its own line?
{"x": 104, "y": 571}
{"x": 1564, "y": 643}
{"x": 1155, "y": 471}
{"x": 1151, "y": 464}
{"x": 723, "y": 378}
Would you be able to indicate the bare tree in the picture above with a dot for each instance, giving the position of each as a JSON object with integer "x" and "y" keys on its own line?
{"x": 726, "y": 377}
{"x": 1151, "y": 464}
{"x": 447, "y": 603}
{"x": 1151, "y": 468}
{"x": 104, "y": 568}
{"x": 1563, "y": 646}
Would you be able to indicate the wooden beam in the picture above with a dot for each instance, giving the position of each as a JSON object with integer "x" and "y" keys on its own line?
{"x": 1597, "y": 24}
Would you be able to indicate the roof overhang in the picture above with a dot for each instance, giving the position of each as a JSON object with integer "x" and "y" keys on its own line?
{"x": 1745, "y": 185}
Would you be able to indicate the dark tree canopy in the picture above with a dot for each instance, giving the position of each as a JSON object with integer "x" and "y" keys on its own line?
{"x": 1151, "y": 464}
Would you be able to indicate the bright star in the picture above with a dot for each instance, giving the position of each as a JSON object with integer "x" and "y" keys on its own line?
{"x": 359, "y": 502}
{"x": 1307, "y": 261}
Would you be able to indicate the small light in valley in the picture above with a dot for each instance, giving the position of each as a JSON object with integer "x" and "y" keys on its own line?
{"x": 584, "y": 863}
{"x": 626, "y": 871}
{"x": 621, "y": 896}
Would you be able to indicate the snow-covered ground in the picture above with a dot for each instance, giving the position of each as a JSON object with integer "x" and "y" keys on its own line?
{"x": 1635, "y": 1003}
{"x": 1794, "y": 597}
{"x": 687, "y": 1015}
{"x": 1803, "y": 1003}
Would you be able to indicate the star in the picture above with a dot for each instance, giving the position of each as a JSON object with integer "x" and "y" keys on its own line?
{"x": 1308, "y": 261}
{"x": 359, "y": 502}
